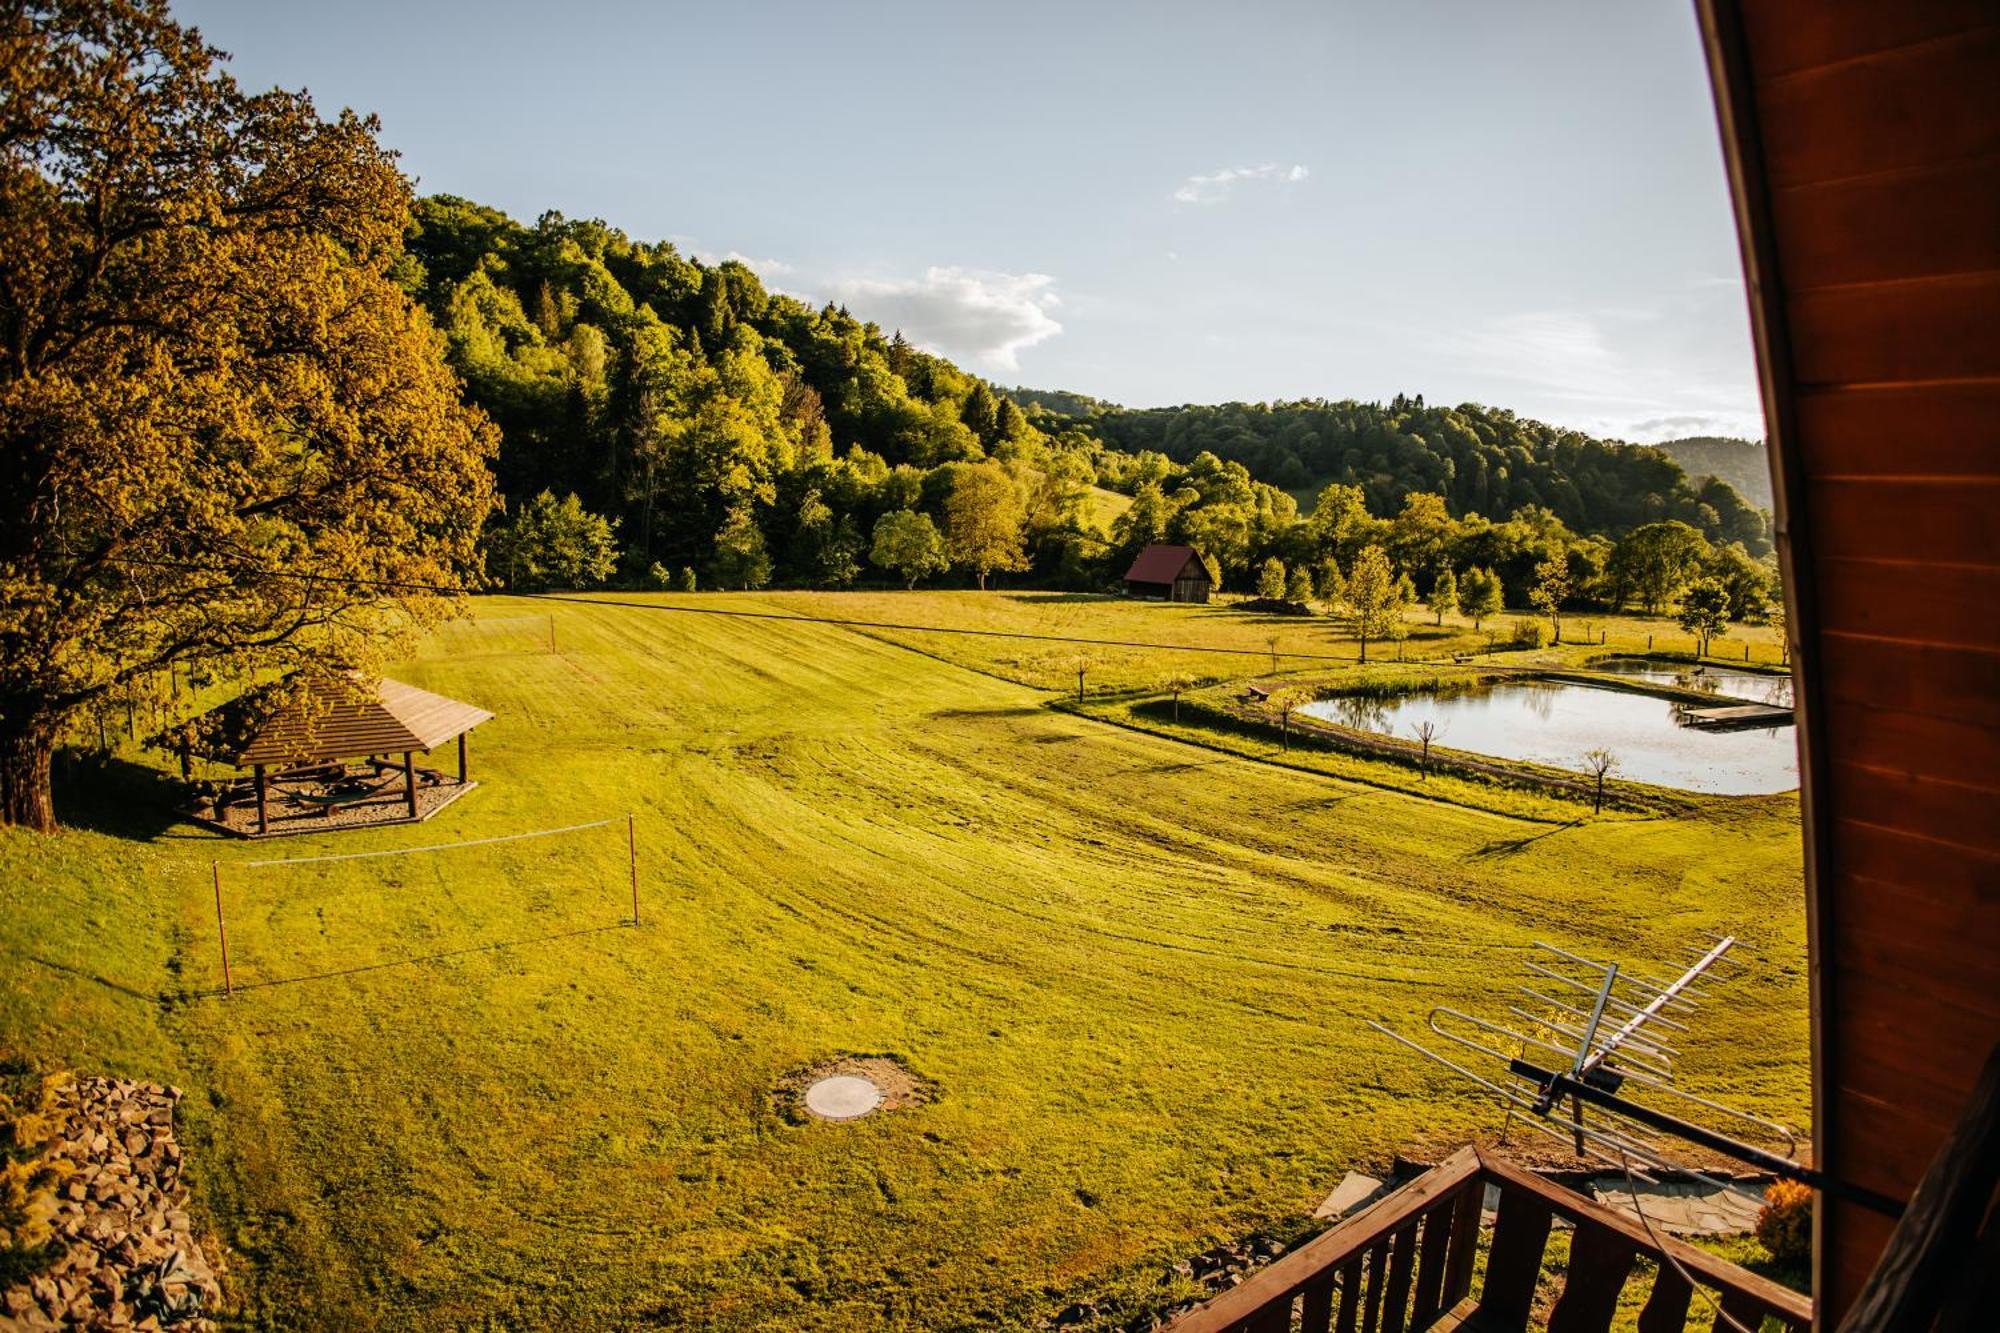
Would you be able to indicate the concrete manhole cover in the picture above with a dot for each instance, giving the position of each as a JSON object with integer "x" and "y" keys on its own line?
{"x": 848, "y": 1087}
{"x": 843, "y": 1097}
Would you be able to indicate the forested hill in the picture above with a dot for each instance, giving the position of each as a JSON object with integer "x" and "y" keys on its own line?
{"x": 667, "y": 421}
{"x": 1741, "y": 463}
{"x": 1482, "y": 460}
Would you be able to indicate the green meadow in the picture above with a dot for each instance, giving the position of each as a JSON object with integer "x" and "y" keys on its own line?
{"x": 1133, "y": 972}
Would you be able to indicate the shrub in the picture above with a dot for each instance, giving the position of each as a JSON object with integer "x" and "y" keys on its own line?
{"x": 658, "y": 576}
{"x": 1784, "y": 1226}
{"x": 687, "y": 578}
{"x": 1529, "y": 632}
{"x": 27, "y": 1180}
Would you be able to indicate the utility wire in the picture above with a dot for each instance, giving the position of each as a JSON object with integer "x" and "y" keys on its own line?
{"x": 836, "y": 622}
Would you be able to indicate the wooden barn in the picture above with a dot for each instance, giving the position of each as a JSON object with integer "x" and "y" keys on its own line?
{"x": 1862, "y": 142}
{"x": 1170, "y": 573}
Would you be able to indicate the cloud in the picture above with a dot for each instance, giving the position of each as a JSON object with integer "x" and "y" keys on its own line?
{"x": 1215, "y": 188}
{"x": 1681, "y": 425}
{"x": 1630, "y": 373}
{"x": 960, "y": 312}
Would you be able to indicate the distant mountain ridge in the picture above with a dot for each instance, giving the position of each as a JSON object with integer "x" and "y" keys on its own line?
{"x": 1740, "y": 463}
{"x": 1480, "y": 459}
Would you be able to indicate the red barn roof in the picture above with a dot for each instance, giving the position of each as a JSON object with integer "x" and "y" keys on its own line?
{"x": 1164, "y": 564}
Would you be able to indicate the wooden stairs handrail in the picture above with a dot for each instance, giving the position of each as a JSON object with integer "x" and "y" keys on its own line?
{"x": 1405, "y": 1265}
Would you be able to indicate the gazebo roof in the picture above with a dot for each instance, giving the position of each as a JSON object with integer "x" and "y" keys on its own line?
{"x": 333, "y": 717}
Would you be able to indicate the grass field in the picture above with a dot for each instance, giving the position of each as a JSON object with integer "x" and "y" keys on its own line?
{"x": 1133, "y": 970}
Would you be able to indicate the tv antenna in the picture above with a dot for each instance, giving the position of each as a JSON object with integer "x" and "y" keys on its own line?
{"x": 1599, "y": 1042}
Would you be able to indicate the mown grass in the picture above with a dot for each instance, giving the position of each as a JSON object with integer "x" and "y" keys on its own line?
{"x": 455, "y": 1091}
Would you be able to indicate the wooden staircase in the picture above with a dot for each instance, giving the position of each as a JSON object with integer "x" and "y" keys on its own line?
{"x": 1407, "y": 1263}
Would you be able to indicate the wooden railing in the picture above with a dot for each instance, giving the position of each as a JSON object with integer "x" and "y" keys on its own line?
{"x": 1407, "y": 1264}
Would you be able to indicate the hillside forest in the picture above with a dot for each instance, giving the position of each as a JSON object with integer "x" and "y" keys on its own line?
{"x": 668, "y": 422}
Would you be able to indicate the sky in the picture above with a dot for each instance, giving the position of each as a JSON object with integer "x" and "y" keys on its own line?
{"x": 1521, "y": 203}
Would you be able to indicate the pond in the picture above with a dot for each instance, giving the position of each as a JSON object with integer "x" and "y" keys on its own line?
{"x": 1554, "y": 723}
{"x": 1730, "y": 682}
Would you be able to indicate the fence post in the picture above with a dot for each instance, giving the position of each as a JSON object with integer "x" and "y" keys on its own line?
{"x": 632, "y": 854}
{"x": 221, "y": 931}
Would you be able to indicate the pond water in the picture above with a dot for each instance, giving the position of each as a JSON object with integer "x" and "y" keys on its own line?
{"x": 1554, "y": 723}
{"x": 1730, "y": 682}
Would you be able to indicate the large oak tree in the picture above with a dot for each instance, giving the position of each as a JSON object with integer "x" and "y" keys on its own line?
{"x": 228, "y": 440}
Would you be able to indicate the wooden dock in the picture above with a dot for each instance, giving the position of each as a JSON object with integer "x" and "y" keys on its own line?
{"x": 1738, "y": 717}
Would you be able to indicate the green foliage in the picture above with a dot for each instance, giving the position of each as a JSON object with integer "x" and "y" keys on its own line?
{"x": 1528, "y": 632}
{"x": 740, "y": 559}
{"x": 984, "y": 517}
{"x": 1550, "y": 591}
{"x": 1271, "y": 579}
{"x": 686, "y": 582}
{"x": 1479, "y": 595}
{"x": 1477, "y": 459}
{"x": 1653, "y": 562}
{"x": 659, "y": 576}
{"x": 27, "y": 1178}
{"x": 1298, "y": 585}
{"x": 1443, "y": 595}
{"x": 1704, "y": 612}
{"x": 1373, "y": 607}
{"x": 908, "y": 543}
{"x": 551, "y": 543}
{"x": 225, "y": 429}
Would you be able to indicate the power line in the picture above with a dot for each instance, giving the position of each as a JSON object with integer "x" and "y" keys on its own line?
{"x": 795, "y": 617}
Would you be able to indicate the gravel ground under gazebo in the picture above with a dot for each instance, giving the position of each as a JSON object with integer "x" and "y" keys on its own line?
{"x": 330, "y": 753}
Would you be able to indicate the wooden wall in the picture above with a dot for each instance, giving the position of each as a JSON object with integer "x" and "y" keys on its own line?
{"x": 1863, "y": 140}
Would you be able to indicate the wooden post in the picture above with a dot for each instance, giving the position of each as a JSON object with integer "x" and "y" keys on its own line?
{"x": 461, "y": 759}
{"x": 410, "y": 781}
{"x": 1079, "y": 685}
{"x": 222, "y": 931}
{"x": 632, "y": 855}
{"x": 263, "y": 801}
{"x": 552, "y": 632}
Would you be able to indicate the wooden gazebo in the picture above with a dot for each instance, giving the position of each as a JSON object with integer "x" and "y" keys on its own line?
{"x": 301, "y": 732}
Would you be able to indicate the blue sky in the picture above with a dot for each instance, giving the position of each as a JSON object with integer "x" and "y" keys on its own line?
{"x": 1520, "y": 202}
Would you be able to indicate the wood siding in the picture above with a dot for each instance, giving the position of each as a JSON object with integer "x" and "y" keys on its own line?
{"x": 1863, "y": 142}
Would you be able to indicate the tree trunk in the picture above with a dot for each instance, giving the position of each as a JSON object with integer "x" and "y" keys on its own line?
{"x": 25, "y": 750}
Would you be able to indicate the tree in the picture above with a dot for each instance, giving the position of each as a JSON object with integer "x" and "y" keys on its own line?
{"x": 1444, "y": 594}
{"x": 1176, "y": 686}
{"x": 1271, "y": 579}
{"x": 228, "y": 440}
{"x": 910, "y": 544}
{"x": 741, "y": 560}
{"x": 1287, "y": 702}
{"x": 1653, "y": 561}
{"x": 1479, "y": 595}
{"x": 1298, "y": 585}
{"x": 1598, "y": 763}
{"x": 1372, "y": 604}
{"x": 1426, "y": 731}
{"x": 686, "y": 582}
{"x": 1330, "y": 584}
{"x": 982, "y": 520}
{"x": 551, "y": 543}
{"x": 825, "y": 550}
{"x": 1705, "y": 612}
{"x": 1550, "y": 590}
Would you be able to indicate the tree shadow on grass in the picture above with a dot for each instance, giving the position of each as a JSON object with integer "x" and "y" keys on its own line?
{"x": 118, "y": 798}
{"x": 1515, "y": 846}
{"x": 1037, "y": 598}
{"x": 118, "y": 987}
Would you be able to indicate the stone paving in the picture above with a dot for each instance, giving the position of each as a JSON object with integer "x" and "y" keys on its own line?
{"x": 1685, "y": 1208}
